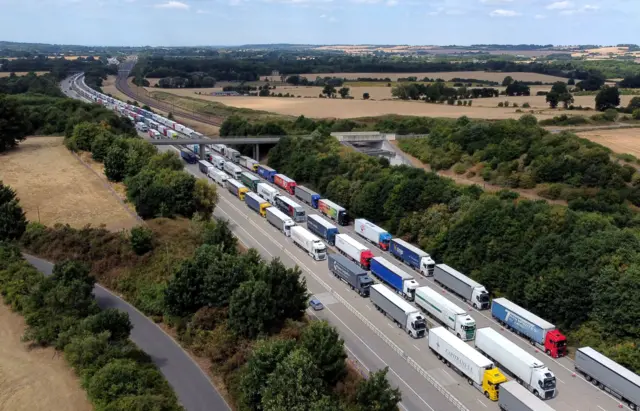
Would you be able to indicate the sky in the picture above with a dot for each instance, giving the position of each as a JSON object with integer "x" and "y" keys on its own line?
{"x": 237, "y": 22}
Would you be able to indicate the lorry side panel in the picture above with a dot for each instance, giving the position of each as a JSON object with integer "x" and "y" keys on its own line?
{"x": 387, "y": 303}
{"x": 452, "y": 282}
{"x": 514, "y": 397}
{"x": 516, "y": 322}
{"x": 386, "y": 275}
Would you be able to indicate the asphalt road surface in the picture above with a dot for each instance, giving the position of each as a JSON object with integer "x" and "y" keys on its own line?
{"x": 574, "y": 393}
{"x": 191, "y": 385}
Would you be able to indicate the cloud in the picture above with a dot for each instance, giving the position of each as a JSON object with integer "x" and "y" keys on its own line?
{"x": 454, "y": 12}
{"x": 392, "y": 2}
{"x": 539, "y": 16}
{"x": 584, "y": 9}
{"x": 504, "y": 13}
{"x": 323, "y": 16}
{"x": 560, "y": 5}
{"x": 495, "y": 1}
{"x": 333, "y": 20}
{"x": 173, "y": 5}
{"x": 200, "y": 11}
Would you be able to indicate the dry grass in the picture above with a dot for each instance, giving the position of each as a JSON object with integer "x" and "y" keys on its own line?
{"x": 620, "y": 140}
{"x": 22, "y": 73}
{"x": 109, "y": 87}
{"x": 54, "y": 187}
{"x": 34, "y": 379}
{"x": 478, "y": 75}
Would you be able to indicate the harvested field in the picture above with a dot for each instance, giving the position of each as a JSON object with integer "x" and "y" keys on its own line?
{"x": 620, "y": 140}
{"x": 21, "y": 73}
{"x": 109, "y": 87}
{"x": 478, "y": 75}
{"x": 55, "y": 187}
{"x": 34, "y": 379}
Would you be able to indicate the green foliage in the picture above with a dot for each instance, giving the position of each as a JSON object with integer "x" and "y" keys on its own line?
{"x": 636, "y": 114}
{"x": 205, "y": 197}
{"x": 115, "y": 164}
{"x": 375, "y": 393}
{"x": 327, "y": 350}
{"x": 14, "y": 124}
{"x": 251, "y": 309}
{"x": 99, "y": 147}
{"x": 608, "y": 97}
{"x": 13, "y": 221}
{"x": 218, "y": 232}
{"x": 162, "y": 193}
{"x": 31, "y": 83}
{"x": 141, "y": 240}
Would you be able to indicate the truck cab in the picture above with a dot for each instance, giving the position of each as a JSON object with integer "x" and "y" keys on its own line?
{"x": 555, "y": 344}
{"x": 426, "y": 266}
{"x": 480, "y": 298}
{"x": 319, "y": 250}
{"x": 491, "y": 383}
{"x": 409, "y": 289}
{"x": 417, "y": 325}
{"x": 365, "y": 260}
{"x": 545, "y": 382}
{"x": 465, "y": 327}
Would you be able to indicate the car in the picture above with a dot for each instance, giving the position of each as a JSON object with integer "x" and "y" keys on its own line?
{"x": 316, "y": 304}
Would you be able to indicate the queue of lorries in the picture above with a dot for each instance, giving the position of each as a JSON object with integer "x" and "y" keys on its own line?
{"x": 478, "y": 364}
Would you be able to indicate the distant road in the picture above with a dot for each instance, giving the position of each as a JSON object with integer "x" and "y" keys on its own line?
{"x": 193, "y": 388}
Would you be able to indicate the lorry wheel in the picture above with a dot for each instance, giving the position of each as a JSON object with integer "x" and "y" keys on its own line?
{"x": 548, "y": 353}
{"x": 535, "y": 392}
{"x": 475, "y": 306}
{"x": 486, "y": 394}
{"x": 633, "y": 406}
{"x": 594, "y": 382}
{"x": 588, "y": 378}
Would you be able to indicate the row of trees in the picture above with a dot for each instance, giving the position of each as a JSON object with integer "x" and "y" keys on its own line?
{"x": 579, "y": 270}
{"x": 439, "y": 92}
{"x": 13, "y": 221}
{"x": 193, "y": 80}
{"x": 61, "y": 311}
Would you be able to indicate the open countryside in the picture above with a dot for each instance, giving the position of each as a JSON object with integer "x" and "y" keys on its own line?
{"x": 447, "y": 76}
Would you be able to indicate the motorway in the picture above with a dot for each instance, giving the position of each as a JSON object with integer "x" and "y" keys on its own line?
{"x": 367, "y": 342}
{"x": 191, "y": 385}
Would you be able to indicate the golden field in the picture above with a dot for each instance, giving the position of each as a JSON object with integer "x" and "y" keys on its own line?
{"x": 22, "y": 73}
{"x": 478, "y": 75}
{"x": 620, "y": 140}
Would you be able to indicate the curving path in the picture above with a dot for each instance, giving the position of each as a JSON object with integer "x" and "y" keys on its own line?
{"x": 192, "y": 386}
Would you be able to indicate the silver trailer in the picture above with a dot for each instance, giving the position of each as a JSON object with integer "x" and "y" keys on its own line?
{"x": 470, "y": 291}
{"x": 514, "y": 397}
{"x": 609, "y": 376}
{"x": 401, "y": 312}
{"x": 280, "y": 220}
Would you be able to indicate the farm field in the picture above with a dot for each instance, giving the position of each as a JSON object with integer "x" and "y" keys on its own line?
{"x": 21, "y": 73}
{"x": 54, "y": 187}
{"x": 478, "y": 75}
{"x": 620, "y": 140}
{"x": 34, "y": 379}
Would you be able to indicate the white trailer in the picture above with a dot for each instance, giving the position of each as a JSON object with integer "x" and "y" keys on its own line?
{"x": 472, "y": 292}
{"x": 280, "y": 220}
{"x": 514, "y": 397}
{"x": 524, "y": 367}
{"x": 477, "y": 369}
{"x": 306, "y": 240}
{"x": 232, "y": 169}
{"x": 267, "y": 192}
{"x": 446, "y": 313}
{"x": 354, "y": 250}
{"x": 218, "y": 161}
{"x": 401, "y": 312}
{"x": 248, "y": 163}
{"x": 372, "y": 233}
{"x": 218, "y": 176}
{"x": 219, "y": 148}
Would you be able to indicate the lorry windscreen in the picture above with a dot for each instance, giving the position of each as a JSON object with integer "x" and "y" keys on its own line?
{"x": 299, "y": 213}
{"x": 548, "y": 383}
{"x": 419, "y": 325}
{"x": 483, "y": 298}
{"x": 562, "y": 343}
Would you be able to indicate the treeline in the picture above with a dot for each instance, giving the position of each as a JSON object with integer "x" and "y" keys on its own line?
{"x": 579, "y": 270}
{"x": 30, "y": 83}
{"x": 116, "y": 374}
{"x": 58, "y": 67}
{"x": 439, "y": 92}
{"x": 193, "y": 80}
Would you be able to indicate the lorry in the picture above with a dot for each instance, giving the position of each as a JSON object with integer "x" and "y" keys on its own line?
{"x": 539, "y": 332}
{"x": 454, "y": 318}
{"x": 478, "y": 370}
{"x": 401, "y": 312}
{"x": 188, "y": 156}
{"x": 218, "y": 176}
{"x": 285, "y": 183}
{"x": 140, "y": 126}
{"x": 236, "y": 188}
{"x": 250, "y": 180}
{"x": 280, "y": 220}
{"x": 217, "y": 161}
{"x": 291, "y": 208}
{"x": 516, "y": 362}
{"x": 232, "y": 154}
{"x": 248, "y": 163}
{"x": 304, "y": 239}
{"x": 308, "y": 196}
{"x": 401, "y": 281}
{"x": 219, "y": 148}
{"x": 350, "y": 273}
{"x": 470, "y": 291}
{"x": 232, "y": 169}
{"x": 266, "y": 172}
{"x": 372, "y": 233}
{"x": 360, "y": 254}
{"x": 514, "y": 397}
{"x": 172, "y": 134}
{"x": 256, "y": 203}
{"x": 333, "y": 211}
{"x": 322, "y": 227}
{"x": 412, "y": 256}
{"x": 154, "y": 134}
{"x": 204, "y": 166}
{"x": 610, "y": 376}
{"x": 267, "y": 192}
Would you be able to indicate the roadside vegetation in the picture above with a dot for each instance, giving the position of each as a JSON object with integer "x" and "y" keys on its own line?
{"x": 577, "y": 269}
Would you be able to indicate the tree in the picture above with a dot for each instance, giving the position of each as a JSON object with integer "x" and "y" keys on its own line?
{"x": 571, "y": 81}
{"x": 139, "y": 152}
{"x": 141, "y": 239}
{"x": 13, "y": 221}
{"x": 205, "y": 196}
{"x": 293, "y": 80}
{"x": 167, "y": 160}
{"x": 114, "y": 321}
{"x": 633, "y": 105}
{"x": 14, "y": 125}
{"x": 288, "y": 289}
{"x": 170, "y": 116}
{"x": 566, "y": 99}
{"x": 100, "y": 146}
{"x": 219, "y": 233}
{"x": 553, "y": 99}
{"x": 344, "y": 92}
{"x": 251, "y": 309}
{"x": 115, "y": 164}
{"x": 327, "y": 350}
{"x": 365, "y": 96}
{"x": 608, "y": 97}
{"x": 507, "y": 81}
{"x": 559, "y": 87}
{"x": 375, "y": 393}
{"x": 84, "y": 134}
{"x": 329, "y": 90}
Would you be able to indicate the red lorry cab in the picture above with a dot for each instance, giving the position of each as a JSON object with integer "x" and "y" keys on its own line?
{"x": 365, "y": 259}
{"x": 555, "y": 344}
{"x": 285, "y": 183}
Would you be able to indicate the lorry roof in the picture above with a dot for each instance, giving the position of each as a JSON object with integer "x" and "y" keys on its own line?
{"x": 462, "y": 347}
{"x": 410, "y": 247}
{"x": 531, "y": 317}
{"x": 320, "y": 220}
{"x": 531, "y": 401}
{"x": 332, "y": 204}
{"x": 352, "y": 242}
{"x": 250, "y": 176}
{"x": 266, "y": 167}
{"x": 405, "y": 275}
{"x": 506, "y": 344}
{"x": 282, "y": 216}
{"x": 369, "y": 224}
{"x": 612, "y": 365}
{"x": 348, "y": 264}
{"x": 205, "y": 163}
{"x": 267, "y": 187}
{"x": 285, "y": 178}
{"x": 256, "y": 197}
{"x": 236, "y": 183}
{"x": 303, "y": 188}
{"x": 394, "y": 298}
{"x": 457, "y": 274}
{"x": 440, "y": 299}
{"x": 306, "y": 234}
{"x": 289, "y": 202}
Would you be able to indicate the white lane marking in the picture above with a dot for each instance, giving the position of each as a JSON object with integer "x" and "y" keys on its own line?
{"x": 417, "y": 348}
{"x": 446, "y": 372}
{"x": 483, "y": 404}
{"x": 601, "y": 408}
{"x": 560, "y": 380}
{"x": 368, "y": 308}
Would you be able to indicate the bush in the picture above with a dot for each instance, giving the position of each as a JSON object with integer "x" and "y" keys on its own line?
{"x": 610, "y": 114}
{"x": 141, "y": 240}
{"x": 501, "y": 104}
{"x": 553, "y": 192}
{"x": 636, "y": 114}
{"x": 459, "y": 168}
{"x": 526, "y": 105}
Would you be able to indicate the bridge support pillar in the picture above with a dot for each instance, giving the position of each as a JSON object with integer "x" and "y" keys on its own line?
{"x": 201, "y": 152}
{"x": 256, "y": 152}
